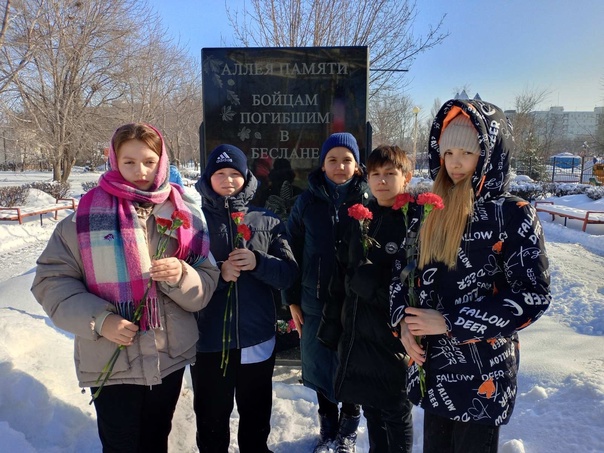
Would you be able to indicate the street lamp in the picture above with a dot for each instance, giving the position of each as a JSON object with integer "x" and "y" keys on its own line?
{"x": 415, "y": 112}
{"x": 584, "y": 151}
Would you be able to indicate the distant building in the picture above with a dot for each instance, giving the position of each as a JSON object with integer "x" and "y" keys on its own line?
{"x": 569, "y": 125}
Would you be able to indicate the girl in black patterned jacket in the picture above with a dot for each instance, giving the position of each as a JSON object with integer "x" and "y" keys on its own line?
{"x": 482, "y": 276}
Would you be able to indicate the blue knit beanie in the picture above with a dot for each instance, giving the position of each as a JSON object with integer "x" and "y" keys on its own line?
{"x": 344, "y": 139}
{"x": 226, "y": 156}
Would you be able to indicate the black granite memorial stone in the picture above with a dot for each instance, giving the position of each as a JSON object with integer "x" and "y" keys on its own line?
{"x": 280, "y": 104}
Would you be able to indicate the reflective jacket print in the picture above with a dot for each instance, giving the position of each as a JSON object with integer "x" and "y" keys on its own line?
{"x": 499, "y": 286}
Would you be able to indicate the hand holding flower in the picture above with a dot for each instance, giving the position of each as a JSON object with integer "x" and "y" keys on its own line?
{"x": 167, "y": 270}
{"x": 418, "y": 322}
{"x": 414, "y": 349}
{"x": 297, "y": 318}
{"x": 119, "y": 330}
{"x": 243, "y": 259}
{"x": 229, "y": 272}
{"x": 239, "y": 260}
{"x": 425, "y": 321}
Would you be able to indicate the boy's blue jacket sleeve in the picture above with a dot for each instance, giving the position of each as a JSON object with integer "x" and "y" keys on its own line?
{"x": 277, "y": 268}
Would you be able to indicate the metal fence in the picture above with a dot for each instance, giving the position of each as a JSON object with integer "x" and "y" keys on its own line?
{"x": 563, "y": 169}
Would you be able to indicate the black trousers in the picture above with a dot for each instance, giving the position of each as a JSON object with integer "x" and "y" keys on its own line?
{"x": 442, "y": 435}
{"x": 137, "y": 418}
{"x": 326, "y": 407}
{"x": 250, "y": 385}
{"x": 390, "y": 430}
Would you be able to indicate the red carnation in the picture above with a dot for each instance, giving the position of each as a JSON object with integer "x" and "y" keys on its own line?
{"x": 237, "y": 217}
{"x": 181, "y": 216}
{"x": 430, "y": 198}
{"x": 364, "y": 216}
{"x": 402, "y": 199}
{"x": 360, "y": 212}
{"x": 163, "y": 224}
{"x": 244, "y": 231}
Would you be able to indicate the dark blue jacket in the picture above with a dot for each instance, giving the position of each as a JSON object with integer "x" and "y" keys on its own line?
{"x": 314, "y": 230}
{"x": 254, "y": 315}
{"x": 499, "y": 286}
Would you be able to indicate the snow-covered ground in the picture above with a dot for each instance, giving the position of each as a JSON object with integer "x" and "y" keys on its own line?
{"x": 560, "y": 405}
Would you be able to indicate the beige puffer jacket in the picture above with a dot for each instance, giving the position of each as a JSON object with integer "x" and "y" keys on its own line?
{"x": 60, "y": 288}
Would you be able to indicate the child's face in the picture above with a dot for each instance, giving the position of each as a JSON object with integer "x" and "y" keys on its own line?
{"x": 386, "y": 183}
{"x": 227, "y": 182}
{"x": 137, "y": 163}
{"x": 339, "y": 165}
{"x": 460, "y": 164}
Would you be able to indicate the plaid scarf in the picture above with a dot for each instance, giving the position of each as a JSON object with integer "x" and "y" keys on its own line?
{"x": 113, "y": 243}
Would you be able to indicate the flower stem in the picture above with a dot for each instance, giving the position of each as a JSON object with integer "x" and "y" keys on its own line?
{"x": 107, "y": 371}
{"x": 226, "y": 342}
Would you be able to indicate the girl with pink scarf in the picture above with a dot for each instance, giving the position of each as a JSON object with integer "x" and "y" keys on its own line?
{"x": 98, "y": 268}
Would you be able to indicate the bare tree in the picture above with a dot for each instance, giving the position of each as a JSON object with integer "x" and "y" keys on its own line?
{"x": 76, "y": 68}
{"x": 163, "y": 87}
{"x": 391, "y": 117}
{"x": 534, "y": 137}
{"x": 385, "y": 26}
{"x": 599, "y": 136}
{"x": 183, "y": 117}
{"x": 5, "y": 16}
{"x": 598, "y": 139}
{"x": 13, "y": 59}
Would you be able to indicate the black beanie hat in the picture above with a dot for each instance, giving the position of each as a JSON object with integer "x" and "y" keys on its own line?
{"x": 226, "y": 156}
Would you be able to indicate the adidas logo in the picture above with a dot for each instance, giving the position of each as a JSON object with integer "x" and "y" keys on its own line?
{"x": 224, "y": 157}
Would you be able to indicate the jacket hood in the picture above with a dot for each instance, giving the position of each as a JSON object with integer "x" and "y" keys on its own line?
{"x": 211, "y": 200}
{"x": 496, "y": 141}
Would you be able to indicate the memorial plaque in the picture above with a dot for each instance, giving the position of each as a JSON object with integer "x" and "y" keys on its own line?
{"x": 280, "y": 104}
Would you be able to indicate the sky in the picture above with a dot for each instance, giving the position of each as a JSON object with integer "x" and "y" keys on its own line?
{"x": 498, "y": 48}
{"x": 559, "y": 406}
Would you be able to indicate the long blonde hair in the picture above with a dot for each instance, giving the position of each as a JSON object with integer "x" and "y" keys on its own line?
{"x": 441, "y": 233}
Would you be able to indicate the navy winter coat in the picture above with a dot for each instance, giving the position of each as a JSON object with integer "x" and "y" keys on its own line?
{"x": 500, "y": 286}
{"x": 254, "y": 313}
{"x": 314, "y": 230}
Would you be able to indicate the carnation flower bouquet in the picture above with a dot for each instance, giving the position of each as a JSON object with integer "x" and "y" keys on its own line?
{"x": 244, "y": 233}
{"x": 428, "y": 201}
{"x": 165, "y": 227}
{"x": 364, "y": 216}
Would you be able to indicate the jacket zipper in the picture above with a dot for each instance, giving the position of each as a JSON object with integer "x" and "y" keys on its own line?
{"x": 319, "y": 279}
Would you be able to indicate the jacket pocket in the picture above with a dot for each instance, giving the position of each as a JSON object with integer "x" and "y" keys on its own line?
{"x": 94, "y": 355}
{"x": 180, "y": 329}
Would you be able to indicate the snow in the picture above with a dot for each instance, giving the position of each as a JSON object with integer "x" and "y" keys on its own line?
{"x": 559, "y": 407}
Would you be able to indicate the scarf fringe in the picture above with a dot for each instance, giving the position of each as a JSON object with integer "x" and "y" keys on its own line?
{"x": 151, "y": 318}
